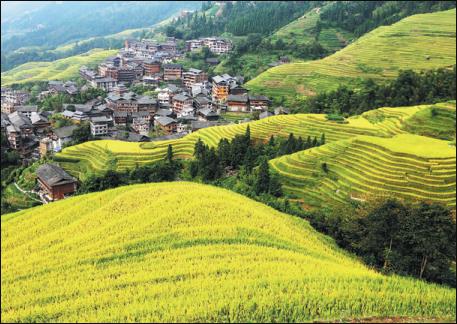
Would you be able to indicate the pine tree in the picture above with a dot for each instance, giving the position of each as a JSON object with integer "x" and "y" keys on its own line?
{"x": 169, "y": 157}
{"x": 262, "y": 183}
{"x": 323, "y": 139}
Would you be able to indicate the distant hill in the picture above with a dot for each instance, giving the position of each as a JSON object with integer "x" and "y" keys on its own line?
{"x": 174, "y": 252}
{"x": 62, "y": 69}
{"x": 423, "y": 41}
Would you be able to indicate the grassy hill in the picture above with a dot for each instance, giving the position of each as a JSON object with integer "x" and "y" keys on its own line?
{"x": 62, "y": 69}
{"x": 303, "y": 30}
{"x": 190, "y": 252}
{"x": 424, "y": 41}
{"x": 97, "y": 156}
{"x": 407, "y": 166}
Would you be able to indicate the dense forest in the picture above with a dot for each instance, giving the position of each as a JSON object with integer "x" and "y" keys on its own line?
{"x": 360, "y": 17}
{"x": 240, "y": 18}
{"x": 408, "y": 89}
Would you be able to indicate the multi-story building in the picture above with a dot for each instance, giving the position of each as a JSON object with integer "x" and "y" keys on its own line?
{"x": 221, "y": 87}
{"x": 166, "y": 124}
{"x": 216, "y": 45}
{"x": 54, "y": 182}
{"x": 194, "y": 76}
{"x": 181, "y": 102}
{"x": 151, "y": 67}
{"x": 259, "y": 102}
{"x": 100, "y": 125}
{"x": 172, "y": 72}
{"x": 237, "y": 103}
{"x": 12, "y": 98}
{"x": 106, "y": 84}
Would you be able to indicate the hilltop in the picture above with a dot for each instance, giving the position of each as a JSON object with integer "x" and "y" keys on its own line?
{"x": 424, "y": 41}
{"x": 407, "y": 166}
{"x": 190, "y": 252}
{"x": 62, "y": 69}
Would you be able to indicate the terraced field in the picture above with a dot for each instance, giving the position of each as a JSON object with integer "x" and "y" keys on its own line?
{"x": 62, "y": 69}
{"x": 301, "y": 31}
{"x": 98, "y": 156}
{"x": 425, "y": 41}
{"x": 190, "y": 253}
{"x": 407, "y": 166}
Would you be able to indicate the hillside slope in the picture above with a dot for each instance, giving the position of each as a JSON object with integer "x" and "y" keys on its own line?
{"x": 99, "y": 155}
{"x": 424, "y": 41}
{"x": 62, "y": 69}
{"x": 407, "y": 166}
{"x": 189, "y": 252}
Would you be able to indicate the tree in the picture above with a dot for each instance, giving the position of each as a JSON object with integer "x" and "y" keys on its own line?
{"x": 322, "y": 139}
{"x": 169, "y": 157}
{"x": 262, "y": 182}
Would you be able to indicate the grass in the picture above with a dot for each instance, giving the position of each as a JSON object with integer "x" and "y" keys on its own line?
{"x": 302, "y": 31}
{"x": 98, "y": 156}
{"x": 62, "y": 69}
{"x": 183, "y": 252}
{"x": 407, "y": 166}
{"x": 419, "y": 42}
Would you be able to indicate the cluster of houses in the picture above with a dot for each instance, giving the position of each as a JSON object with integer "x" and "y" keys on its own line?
{"x": 216, "y": 45}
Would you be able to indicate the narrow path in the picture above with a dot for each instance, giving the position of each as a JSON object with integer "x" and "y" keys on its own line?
{"x": 25, "y": 192}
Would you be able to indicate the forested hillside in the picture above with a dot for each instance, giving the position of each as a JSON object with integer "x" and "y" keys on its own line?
{"x": 32, "y": 37}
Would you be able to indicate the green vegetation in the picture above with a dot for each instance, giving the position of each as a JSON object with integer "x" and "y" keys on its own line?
{"x": 407, "y": 166}
{"x": 202, "y": 254}
{"x": 94, "y": 156}
{"x": 63, "y": 69}
{"x": 419, "y": 42}
{"x": 395, "y": 236}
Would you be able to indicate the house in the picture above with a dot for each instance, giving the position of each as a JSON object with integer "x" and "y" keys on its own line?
{"x": 180, "y": 102}
{"x": 56, "y": 87}
{"x": 202, "y": 102}
{"x": 100, "y": 125}
{"x": 238, "y": 90}
{"x": 27, "y": 110}
{"x": 172, "y": 72}
{"x": 40, "y": 122}
{"x": 151, "y": 67}
{"x": 216, "y": 45}
{"x": 259, "y": 102}
{"x": 20, "y": 133}
{"x": 132, "y": 137}
{"x": 61, "y": 136}
{"x": 194, "y": 76}
{"x": 196, "y": 125}
{"x": 221, "y": 87}
{"x": 54, "y": 182}
{"x": 237, "y": 103}
{"x": 120, "y": 118}
{"x": 152, "y": 81}
{"x": 207, "y": 114}
{"x": 12, "y": 98}
{"x": 141, "y": 122}
{"x": 130, "y": 102}
{"x": 166, "y": 124}
{"x": 165, "y": 113}
{"x": 105, "y": 83}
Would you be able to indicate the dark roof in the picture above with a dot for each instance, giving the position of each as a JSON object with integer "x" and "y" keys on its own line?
{"x": 238, "y": 98}
{"x": 181, "y": 97}
{"x": 164, "y": 112}
{"x": 203, "y": 124}
{"x": 120, "y": 114}
{"x": 37, "y": 117}
{"x": 52, "y": 175}
{"x": 18, "y": 119}
{"x": 131, "y": 137}
{"x": 172, "y": 66}
{"x": 208, "y": 112}
{"x": 65, "y": 131}
{"x": 164, "y": 121}
{"x": 100, "y": 119}
{"x": 31, "y": 108}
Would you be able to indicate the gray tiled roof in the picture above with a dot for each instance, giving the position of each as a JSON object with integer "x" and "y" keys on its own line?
{"x": 65, "y": 131}
{"x": 164, "y": 121}
{"x": 53, "y": 175}
{"x": 238, "y": 98}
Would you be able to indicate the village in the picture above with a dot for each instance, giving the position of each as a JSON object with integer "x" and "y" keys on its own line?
{"x": 178, "y": 101}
